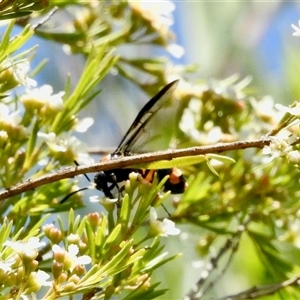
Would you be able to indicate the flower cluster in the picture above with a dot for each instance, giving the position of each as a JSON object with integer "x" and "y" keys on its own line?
{"x": 20, "y": 268}
{"x": 66, "y": 263}
{"x": 161, "y": 228}
{"x": 10, "y": 125}
{"x": 15, "y": 74}
{"x": 43, "y": 102}
{"x": 282, "y": 144}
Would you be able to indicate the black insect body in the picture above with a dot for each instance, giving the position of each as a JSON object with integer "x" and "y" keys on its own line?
{"x": 176, "y": 183}
{"x": 106, "y": 181}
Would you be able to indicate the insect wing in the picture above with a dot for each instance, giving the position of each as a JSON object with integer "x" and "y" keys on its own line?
{"x": 138, "y": 127}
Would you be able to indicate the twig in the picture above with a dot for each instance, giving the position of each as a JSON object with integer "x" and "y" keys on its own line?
{"x": 231, "y": 245}
{"x": 128, "y": 161}
{"x": 263, "y": 290}
{"x": 45, "y": 19}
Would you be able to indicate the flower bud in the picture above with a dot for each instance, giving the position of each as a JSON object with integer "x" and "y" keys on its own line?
{"x": 28, "y": 255}
{"x": 59, "y": 255}
{"x": 32, "y": 103}
{"x": 32, "y": 266}
{"x": 62, "y": 278}
{"x": 79, "y": 270}
{"x": 83, "y": 247}
{"x": 70, "y": 287}
{"x": 8, "y": 80}
{"x": 47, "y": 228}
{"x": 55, "y": 236}
{"x": 74, "y": 278}
{"x": 109, "y": 291}
{"x": 57, "y": 269}
{"x": 73, "y": 239}
{"x": 93, "y": 219}
{"x": 3, "y": 276}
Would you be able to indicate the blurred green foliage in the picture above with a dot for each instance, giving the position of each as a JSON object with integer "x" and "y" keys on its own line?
{"x": 241, "y": 226}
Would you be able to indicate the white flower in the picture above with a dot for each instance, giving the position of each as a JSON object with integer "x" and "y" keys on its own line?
{"x": 265, "y": 108}
{"x": 48, "y": 137}
{"x": 42, "y": 98}
{"x": 67, "y": 148}
{"x": 41, "y": 277}
{"x": 163, "y": 228}
{"x": 108, "y": 203}
{"x": 20, "y": 72}
{"x": 294, "y": 157}
{"x": 102, "y": 200}
{"x": 296, "y": 28}
{"x": 295, "y": 110}
{"x": 25, "y": 246}
{"x": 189, "y": 120}
{"x": 71, "y": 256}
{"x": 13, "y": 118}
{"x": 159, "y": 13}
{"x": 84, "y": 124}
{"x": 175, "y": 50}
{"x": 6, "y": 265}
{"x": 213, "y": 135}
{"x": 10, "y": 123}
{"x": 278, "y": 146}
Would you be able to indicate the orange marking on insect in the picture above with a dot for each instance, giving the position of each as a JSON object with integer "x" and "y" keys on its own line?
{"x": 148, "y": 175}
{"x": 106, "y": 158}
{"x": 174, "y": 176}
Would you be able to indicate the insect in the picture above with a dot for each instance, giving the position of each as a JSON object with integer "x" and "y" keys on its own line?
{"x": 106, "y": 181}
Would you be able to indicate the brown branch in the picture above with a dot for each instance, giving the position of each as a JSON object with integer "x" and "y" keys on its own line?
{"x": 128, "y": 161}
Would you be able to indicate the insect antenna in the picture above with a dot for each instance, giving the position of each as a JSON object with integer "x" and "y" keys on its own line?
{"x": 71, "y": 194}
{"x": 87, "y": 177}
{"x": 82, "y": 189}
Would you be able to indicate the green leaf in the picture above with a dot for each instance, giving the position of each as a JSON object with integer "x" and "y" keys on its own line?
{"x": 91, "y": 241}
{"x": 218, "y": 157}
{"x": 150, "y": 293}
{"x": 7, "y": 46}
{"x": 98, "y": 65}
{"x": 111, "y": 239}
{"x": 271, "y": 258}
{"x": 37, "y": 226}
{"x": 71, "y": 221}
{"x": 15, "y": 15}
{"x": 120, "y": 261}
{"x": 31, "y": 145}
{"x": 125, "y": 212}
{"x": 212, "y": 169}
{"x": 175, "y": 162}
{"x": 100, "y": 236}
{"x": 81, "y": 226}
{"x": 115, "y": 265}
{"x": 5, "y": 231}
{"x": 6, "y": 38}
{"x": 221, "y": 158}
